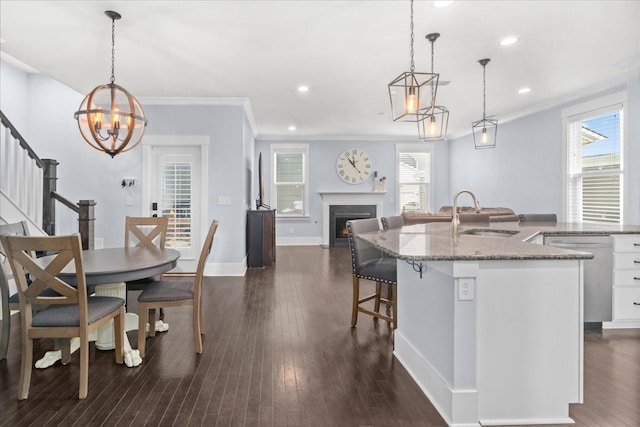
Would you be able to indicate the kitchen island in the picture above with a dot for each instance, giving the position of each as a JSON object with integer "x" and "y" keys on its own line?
{"x": 490, "y": 325}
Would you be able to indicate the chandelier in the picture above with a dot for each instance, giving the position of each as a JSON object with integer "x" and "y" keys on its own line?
{"x": 409, "y": 92}
{"x": 484, "y": 131}
{"x": 110, "y": 119}
{"x": 435, "y": 118}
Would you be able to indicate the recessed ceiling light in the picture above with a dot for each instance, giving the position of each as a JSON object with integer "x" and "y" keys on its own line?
{"x": 442, "y": 3}
{"x": 524, "y": 90}
{"x": 303, "y": 88}
{"x": 508, "y": 41}
{"x": 292, "y": 128}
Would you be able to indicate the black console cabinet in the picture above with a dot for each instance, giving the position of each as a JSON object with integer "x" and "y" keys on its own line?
{"x": 261, "y": 238}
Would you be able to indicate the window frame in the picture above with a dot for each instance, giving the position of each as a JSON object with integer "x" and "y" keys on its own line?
{"x": 273, "y": 192}
{"x": 427, "y": 147}
{"x": 591, "y": 109}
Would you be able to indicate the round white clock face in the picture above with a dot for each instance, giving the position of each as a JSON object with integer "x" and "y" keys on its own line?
{"x": 353, "y": 166}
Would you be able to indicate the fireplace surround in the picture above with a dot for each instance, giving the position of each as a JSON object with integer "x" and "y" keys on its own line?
{"x": 338, "y": 217}
{"x": 348, "y": 198}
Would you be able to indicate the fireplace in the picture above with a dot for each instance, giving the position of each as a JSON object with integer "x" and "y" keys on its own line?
{"x": 347, "y": 198}
{"x": 338, "y": 217}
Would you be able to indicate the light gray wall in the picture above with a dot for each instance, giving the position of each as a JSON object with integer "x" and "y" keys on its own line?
{"x": 14, "y": 93}
{"x": 43, "y": 108}
{"x": 323, "y": 177}
{"x": 525, "y": 169}
{"x": 228, "y": 140}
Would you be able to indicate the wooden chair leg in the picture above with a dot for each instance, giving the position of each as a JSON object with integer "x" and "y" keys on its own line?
{"x": 376, "y": 305}
{"x": 65, "y": 350}
{"x": 152, "y": 322}
{"x": 196, "y": 330}
{"x": 25, "y": 368}
{"x": 84, "y": 366}
{"x": 5, "y": 328}
{"x": 5, "y": 323}
{"x": 356, "y": 297}
{"x": 118, "y": 328}
{"x": 395, "y": 305}
{"x": 142, "y": 328}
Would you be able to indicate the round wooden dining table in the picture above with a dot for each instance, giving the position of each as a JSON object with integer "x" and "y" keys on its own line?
{"x": 111, "y": 265}
{"x": 108, "y": 265}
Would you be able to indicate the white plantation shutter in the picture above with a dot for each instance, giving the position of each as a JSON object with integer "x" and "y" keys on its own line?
{"x": 289, "y": 180}
{"x": 594, "y": 165}
{"x": 414, "y": 172}
{"x": 175, "y": 190}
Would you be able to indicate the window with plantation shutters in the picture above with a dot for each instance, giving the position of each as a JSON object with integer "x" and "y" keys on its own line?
{"x": 289, "y": 179}
{"x": 414, "y": 179}
{"x": 595, "y": 142}
{"x": 175, "y": 190}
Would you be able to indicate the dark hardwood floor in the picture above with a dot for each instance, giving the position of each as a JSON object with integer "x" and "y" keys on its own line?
{"x": 279, "y": 351}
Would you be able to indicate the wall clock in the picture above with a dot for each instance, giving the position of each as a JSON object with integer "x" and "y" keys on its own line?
{"x": 353, "y": 166}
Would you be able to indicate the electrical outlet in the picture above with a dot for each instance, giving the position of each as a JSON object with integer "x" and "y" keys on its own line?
{"x": 224, "y": 200}
{"x": 466, "y": 291}
{"x": 291, "y": 230}
{"x": 129, "y": 200}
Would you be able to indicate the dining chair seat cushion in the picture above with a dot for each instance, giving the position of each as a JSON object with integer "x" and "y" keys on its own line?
{"x": 69, "y": 315}
{"x": 164, "y": 290}
{"x": 380, "y": 269}
{"x": 14, "y": 299}
{"x": 140, "y": 284}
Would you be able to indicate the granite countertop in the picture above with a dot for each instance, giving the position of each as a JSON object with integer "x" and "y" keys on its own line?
{"x": 504, "y": 241}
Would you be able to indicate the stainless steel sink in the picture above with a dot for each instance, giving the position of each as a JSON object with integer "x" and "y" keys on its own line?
{"x": 485, "y": 232}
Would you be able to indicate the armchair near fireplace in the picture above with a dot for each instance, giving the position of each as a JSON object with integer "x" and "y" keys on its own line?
{"x": 369, "y": 263}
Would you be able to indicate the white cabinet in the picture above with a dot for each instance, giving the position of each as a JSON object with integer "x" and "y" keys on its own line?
{"x": 626, "y": 281}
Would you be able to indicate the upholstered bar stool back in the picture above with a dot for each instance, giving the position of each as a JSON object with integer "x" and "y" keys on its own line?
{"x": 389, "y": 222}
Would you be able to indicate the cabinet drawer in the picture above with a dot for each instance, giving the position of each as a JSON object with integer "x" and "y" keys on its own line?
{"x": 626, "y": 243}
{"x": 630, "y": 261}
{"x": 626, "y": 303}
{"x": 626, "y": 278}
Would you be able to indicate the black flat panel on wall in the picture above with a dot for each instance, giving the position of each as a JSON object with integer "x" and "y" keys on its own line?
{"x": 261, "y": 238}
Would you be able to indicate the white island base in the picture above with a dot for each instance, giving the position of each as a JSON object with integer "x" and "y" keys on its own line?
{"x": 510, "y": 353}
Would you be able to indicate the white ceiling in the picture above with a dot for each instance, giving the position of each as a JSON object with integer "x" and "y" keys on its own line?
{"x": 345, "y": 51}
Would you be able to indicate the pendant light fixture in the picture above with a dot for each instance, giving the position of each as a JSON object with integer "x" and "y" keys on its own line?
{"x": 436, "y": 118}
{"x": 409, "y": 92}
{"x": 110, "y": 119}
{"x": 484, "y": 131}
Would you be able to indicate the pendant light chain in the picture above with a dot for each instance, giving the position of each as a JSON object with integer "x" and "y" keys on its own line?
{"x": 484, "y": 91}
{"x": 412, "y": 68}
{"x": 113, "y": 50}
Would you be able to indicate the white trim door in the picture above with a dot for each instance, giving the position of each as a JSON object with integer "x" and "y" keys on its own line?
{"x": 175, "y": 170}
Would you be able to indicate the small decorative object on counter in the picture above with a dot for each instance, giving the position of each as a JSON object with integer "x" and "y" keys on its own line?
{"x": 383, "y": 184}
{"x": 376, "y": 183}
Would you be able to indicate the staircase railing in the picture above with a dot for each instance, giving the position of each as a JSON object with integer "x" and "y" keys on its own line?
{"x": 22, "y": 172}
{"x": 28, "y": 185}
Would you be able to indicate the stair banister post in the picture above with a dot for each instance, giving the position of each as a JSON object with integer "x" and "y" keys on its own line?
{"x": 86, "y": 223}
{"x": 50, "y": 179}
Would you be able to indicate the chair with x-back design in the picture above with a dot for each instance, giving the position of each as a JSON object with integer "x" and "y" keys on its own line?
{"x": 150, "y": 232}
{"x": 69, "y": 313}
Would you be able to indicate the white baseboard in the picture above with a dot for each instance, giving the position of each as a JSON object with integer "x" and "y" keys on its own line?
{"x": 226, "y": 269}
{"x": 299, "y": 241}
{"x": 459, "y": 408}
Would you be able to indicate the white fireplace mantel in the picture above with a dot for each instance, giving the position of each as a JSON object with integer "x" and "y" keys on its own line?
{"x": 347, "y": 198}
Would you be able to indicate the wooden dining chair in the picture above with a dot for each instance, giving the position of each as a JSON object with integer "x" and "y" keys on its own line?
{"x": 165, "y": 293}
{"x": 149, "y": 232}
{"x": 370, "y": 263}
{"x": 68, "y": 314}
{"x": 10, "y": 302}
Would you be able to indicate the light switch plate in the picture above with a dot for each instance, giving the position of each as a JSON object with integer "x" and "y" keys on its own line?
{"x": 224, "y": 200}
